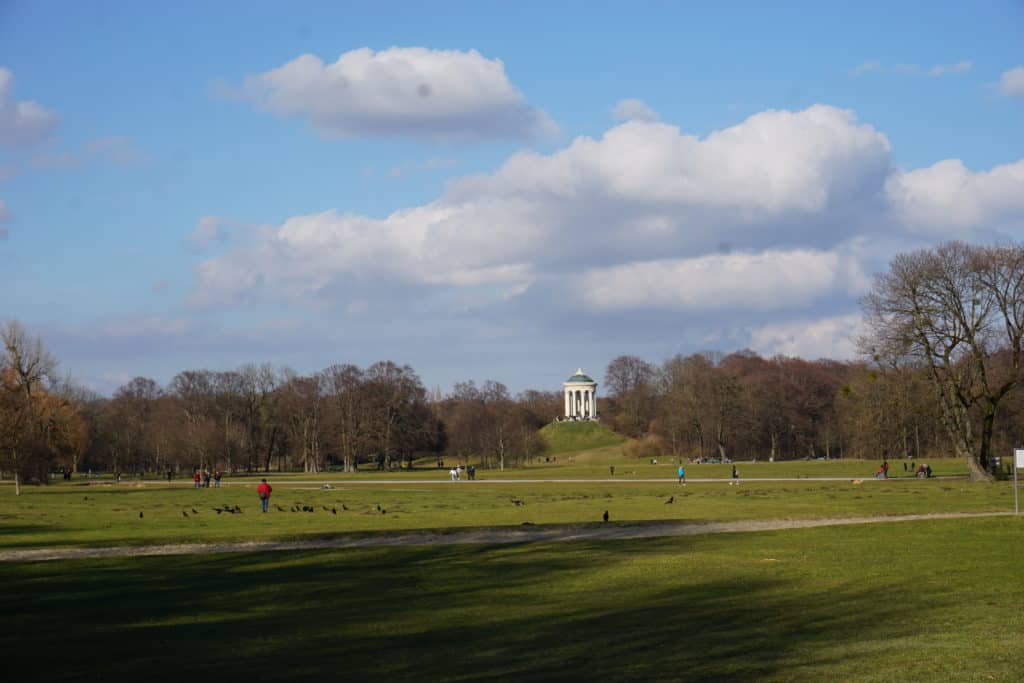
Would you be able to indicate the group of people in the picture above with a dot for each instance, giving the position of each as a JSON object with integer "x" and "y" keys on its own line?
{"x": 202, "y": 479}
{"x": 923, "y": 471}
{"x": 455, "y": 473}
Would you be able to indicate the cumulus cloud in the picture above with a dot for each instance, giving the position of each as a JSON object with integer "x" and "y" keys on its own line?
{"x": 764, "y": 281}
{"x": 1011, "y": 83}
{"x": 947, "y": 199}
{"x": 633, "y": 110}
{"x": 409, "y": 91}
{"x": 643, "y": 191}
{"x": 209, "y": 230}
{"x": 21, "y": 123}
{"x": 830, "y": 337}
{"x": 785, "y": 212}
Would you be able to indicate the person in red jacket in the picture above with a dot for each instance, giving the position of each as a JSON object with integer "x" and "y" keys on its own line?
{"x": 264, "y": 490}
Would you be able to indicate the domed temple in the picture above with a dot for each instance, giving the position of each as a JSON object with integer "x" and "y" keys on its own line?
{"x": 580, "y": 397}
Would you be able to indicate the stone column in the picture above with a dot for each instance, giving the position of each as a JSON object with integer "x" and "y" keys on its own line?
{"x": 565, "y": 400}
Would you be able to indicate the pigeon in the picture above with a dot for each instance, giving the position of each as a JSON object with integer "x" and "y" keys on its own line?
{"x": 383, "y": 511}
{"x": 671, "y": 499}
{"x": 217, "y": 510}
{"x": 605, "y": 516}
{"x": 344, "y": 507}
{"x": 325, "y": 508}
{"x": 334, "y": 511}
{"x": 238, "y": 509}
{"x": 140, "y": 515}
{"x": 194, "y": 512}
{"x": 184, "y": 514}
{"x": 378, "y": 507}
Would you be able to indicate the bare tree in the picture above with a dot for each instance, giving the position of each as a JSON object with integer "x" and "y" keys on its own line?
{"x": 954, "y": 309}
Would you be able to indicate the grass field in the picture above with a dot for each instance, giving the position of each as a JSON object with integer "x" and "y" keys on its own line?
{"x": 897, "y": 601}
{"x": 563, "y": 437}
{"x": 109, "y": 515}
{"x": 922, "y": 601}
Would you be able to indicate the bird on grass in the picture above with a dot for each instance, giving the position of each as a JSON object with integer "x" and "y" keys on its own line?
{"x": 217, "y": 510}
{"x": 334, "y": 511}
{"x": 344, "y": 507}
{"x": 325, "y": 508}
{"x": 238, "y": 509}
{"x": 605, "y": 516}
{"x": 378, "y": 507}
{"x": 671, "y": 499}
{"x": 295, "y": 508}
{"x": 184, "y": 514}
{"x": 194, "y": 511}
{"x": 279, "y": 508}
{"x": 383, "y": 511}
{"x": 140, "y": 515}
{"x": 518, "y": 503}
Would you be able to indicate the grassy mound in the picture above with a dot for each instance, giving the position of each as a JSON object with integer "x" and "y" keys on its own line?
{"x": 565, "y": 437}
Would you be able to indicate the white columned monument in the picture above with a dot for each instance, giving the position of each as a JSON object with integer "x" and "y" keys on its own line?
{"x": 580, "y": 397}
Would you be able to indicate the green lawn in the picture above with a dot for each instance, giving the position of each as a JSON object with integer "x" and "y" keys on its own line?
{"x": 64, "y": 515}
{"x": 563, "y": 437}
{"x": 919, "y": 601}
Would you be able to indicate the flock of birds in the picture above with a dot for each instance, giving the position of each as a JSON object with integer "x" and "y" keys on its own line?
{"x": 305, "y": 507}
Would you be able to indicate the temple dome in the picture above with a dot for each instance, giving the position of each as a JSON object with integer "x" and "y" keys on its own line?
{"x": 580, "y": 378}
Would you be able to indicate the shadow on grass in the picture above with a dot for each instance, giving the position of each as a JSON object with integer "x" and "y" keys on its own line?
{"x": 457, "y": 613}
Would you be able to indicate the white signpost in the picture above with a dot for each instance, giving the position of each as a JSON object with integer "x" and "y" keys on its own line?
{"x": 1018, "y": 463}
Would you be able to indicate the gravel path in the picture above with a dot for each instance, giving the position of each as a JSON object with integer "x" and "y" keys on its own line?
{"x": 525, "y": 534}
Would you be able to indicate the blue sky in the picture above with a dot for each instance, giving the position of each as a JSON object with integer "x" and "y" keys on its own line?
{"x": 487, "y": 190}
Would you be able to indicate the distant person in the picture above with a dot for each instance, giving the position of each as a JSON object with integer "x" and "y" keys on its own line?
{"x": 880, "y": 473}
{"x": 611, "y": 469}
{"x": 920, "y": 471}
{"x": 170, "y": 475}
{"x": 885, "y": 468}
{"x": 206, "y": 477}
{"x": 735, "y": 476}
{"x": 904, "y": 467}
{"x": 216, "y": 478}
{"x": 263, "y": 490}
{"x": 453, "y": 474}
{"x": 927, "y": 471}
{"x": 682, "y": 475}
{"x": 471, "y": 472}
{"x": 196, "y": 478}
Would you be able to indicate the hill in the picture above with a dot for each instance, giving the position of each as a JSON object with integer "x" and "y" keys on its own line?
{"x": 565, "y": 437}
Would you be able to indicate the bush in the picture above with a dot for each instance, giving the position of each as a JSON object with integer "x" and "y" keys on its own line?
{"x": 649, "y": 446}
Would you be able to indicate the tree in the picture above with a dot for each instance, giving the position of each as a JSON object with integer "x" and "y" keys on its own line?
{"x": 630, "y": 384}
{"x": 35, "y": 426}
{"x": 956, "y": 309}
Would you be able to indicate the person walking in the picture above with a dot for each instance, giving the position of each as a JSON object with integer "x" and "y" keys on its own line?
{"x": 263, "y": 490}
{"x": 206, "y": 477}
{"x": 196, "y": 477}
{"x": 216, "y": 479}
{"x": 682, "y": 475}
{"x": 170, "y": 474}
{"x": 735, "y": 476}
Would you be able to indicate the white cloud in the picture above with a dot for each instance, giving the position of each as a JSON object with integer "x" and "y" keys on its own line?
{"x": 949, "y": 200}
{"x": 643, "y": 191}
{"x": 209, "y": 230}
{"x": 1011, "y": 83}
{"x": 947, "y": 69}
{"x": 633, "y": 110}
{"x": 410, "y": 91}
{"x": 831, "y": 337}
{"x": 21, "y": 123}
{"x": 765, "y": 281}
{"x": 866, "y": 67}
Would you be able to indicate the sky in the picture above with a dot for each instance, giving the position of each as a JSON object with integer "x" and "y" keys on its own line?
{"x": 487, "y": 190}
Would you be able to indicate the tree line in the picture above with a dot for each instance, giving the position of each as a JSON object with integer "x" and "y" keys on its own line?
{"x": 939, "y": 375}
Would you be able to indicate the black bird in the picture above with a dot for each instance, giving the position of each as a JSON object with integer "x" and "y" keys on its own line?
{"x": 194, "y": 512}
{"x": 605, "y": 516}
{"x": 325, "y": 508}
{"x": 279, "y": 508}
{"x": 383, "y": 511}
{"x": 344, "y": 507}
{"x": 378, "y": 507}
{"x": 238, "y": 509}
{"x": 217, "y": 510}
{"x": 517, "y": 502}
{"x": 334, "y": 511}
{"x": 671, "y": 499}
{"x": 184, "y": 514}
{"x": 140, "y": 515}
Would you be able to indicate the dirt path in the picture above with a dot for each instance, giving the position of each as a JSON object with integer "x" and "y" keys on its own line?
{"x": 525, "y": 534}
